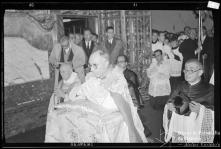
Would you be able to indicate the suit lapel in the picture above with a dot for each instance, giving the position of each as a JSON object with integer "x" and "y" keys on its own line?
{"x": 110, "y": 47}
{"x": 91, "y": 47}
{"x": 83, "y": 44}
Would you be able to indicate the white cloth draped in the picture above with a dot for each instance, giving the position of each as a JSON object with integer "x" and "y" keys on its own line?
{"x": 91, "y": 114}
{"x": 66, "y": 84}
{"x": 189, "y": 129}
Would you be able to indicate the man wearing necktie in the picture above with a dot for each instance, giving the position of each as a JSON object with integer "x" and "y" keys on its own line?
{"x": 67, "y": 51}
{"x": 112, "y": 45}
{"x": 110, "y": 41}
{"x": 88, "y": 45}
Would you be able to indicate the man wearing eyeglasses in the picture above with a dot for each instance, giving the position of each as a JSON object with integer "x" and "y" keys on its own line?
{"x": 194, "y": 87}
{"x": 132, "y": 80}
{"x": 201, "y": 95}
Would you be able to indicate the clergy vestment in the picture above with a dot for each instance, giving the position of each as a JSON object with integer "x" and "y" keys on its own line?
{"x": 159, "y": 75}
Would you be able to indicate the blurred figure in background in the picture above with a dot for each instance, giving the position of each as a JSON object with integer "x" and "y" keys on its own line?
{"x": 188, "y": 47}
{"x": 88, "y": 46}
{"x": 175, "y": 64}
{"x": 132, "y": 81}
{"x": 78, "y": 38}
{"x": 155, "y": 41}
{"x": 187, "y": 31}
{"x": 206, "y": 55}
{"x": 112, "y": 45}
{"x": 159, "y": 74}
{"x": 95, "y": 39}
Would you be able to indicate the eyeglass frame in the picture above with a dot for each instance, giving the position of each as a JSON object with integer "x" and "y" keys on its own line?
{"x": 192, "y": 71}
{"x": 118, "y": 62}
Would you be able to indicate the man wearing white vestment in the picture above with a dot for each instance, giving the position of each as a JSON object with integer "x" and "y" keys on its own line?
{"x": 160, "y": 44}
{"x": 175, "y": 64}
{"x": 101, "y": 110}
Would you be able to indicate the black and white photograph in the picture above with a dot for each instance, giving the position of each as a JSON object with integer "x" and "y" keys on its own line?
{"x": 92, "y": 76}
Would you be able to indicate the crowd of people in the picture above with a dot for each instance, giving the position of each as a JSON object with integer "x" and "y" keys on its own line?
{"x": 183, "y": 65}
{"x": 96, "y": 96}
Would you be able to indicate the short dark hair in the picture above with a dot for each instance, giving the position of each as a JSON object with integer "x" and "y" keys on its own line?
{"x": 178, "y": 101}
{"x": 162, "y": 32}
{"x": 155, "y": 31}
{"x": 174, "y": 38}
{"x": 194, "y": 60}
{"x": 88, "y": 29}
{"x": 125, "y": 57}
{"x": 167, "y": 38}
{"x": 158, "y": 50}
{"x": 64, "y": 38}
{"x": 95, "y": 35}
{"x": 187, "y": 27}
{"x": 109, "y": 27}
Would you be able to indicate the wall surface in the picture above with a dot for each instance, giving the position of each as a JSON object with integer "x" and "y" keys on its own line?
{"x": 25, "y": 106}
{"x": 28, "y": 79}
{"x": 175, "y": 20}
{"x": 23, "y": 63}
{"x": 28, "y": 86}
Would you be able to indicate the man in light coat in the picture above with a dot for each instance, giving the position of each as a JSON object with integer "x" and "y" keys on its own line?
{"x": 68, "y": 51}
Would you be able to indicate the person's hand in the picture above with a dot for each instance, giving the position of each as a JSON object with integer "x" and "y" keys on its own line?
{"x": 171, "y": 107}
{"x": 194, "y": 107}
{"x": 59, "y": 93}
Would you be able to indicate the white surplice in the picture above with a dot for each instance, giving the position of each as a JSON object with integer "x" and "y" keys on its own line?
{"x": 189, "y": 129}
{"x": 159, "y": 78}
{"x": 175, "y": 65}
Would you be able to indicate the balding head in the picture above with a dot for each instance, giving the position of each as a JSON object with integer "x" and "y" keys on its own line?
{"x": 193, "y": 71}
{"x": 66, "y": 70}
{"x": 195, "y": 62}
{"x": 99, "y": 62}
{"x": 99, "y": 54}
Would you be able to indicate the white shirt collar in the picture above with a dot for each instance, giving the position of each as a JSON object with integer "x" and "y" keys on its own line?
{"x": 88, "y": 43}
{"x": 110, "y": 40}
{"x": 67, "y": 50}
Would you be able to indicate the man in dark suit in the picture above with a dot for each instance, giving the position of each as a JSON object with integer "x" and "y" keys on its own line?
{"x": 132, "y": 80}
{"x": 112, "y": 45}
{"x": 207, "y": 55}
{"x": 87, "y": 44}
{"x": 188, "y": 47}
